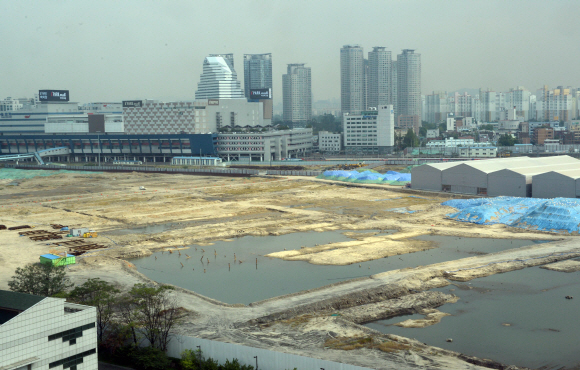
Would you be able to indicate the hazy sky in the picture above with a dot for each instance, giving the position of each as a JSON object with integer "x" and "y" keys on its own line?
{"x": 119, "y": 50}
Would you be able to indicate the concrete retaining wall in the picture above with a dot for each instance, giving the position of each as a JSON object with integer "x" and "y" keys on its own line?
{"x": 293, "y": 173}
{"x": 192, "y": 171}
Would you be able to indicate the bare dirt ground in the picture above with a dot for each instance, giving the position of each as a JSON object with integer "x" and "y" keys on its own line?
{"x": 178, "y": 210}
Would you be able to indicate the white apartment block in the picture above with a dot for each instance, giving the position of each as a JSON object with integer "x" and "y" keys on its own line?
{"x": 373, "y": 128}
{"x": 329, "y": 142}
{"x": 197, "y": 117}
{"x": 46, "y": 333}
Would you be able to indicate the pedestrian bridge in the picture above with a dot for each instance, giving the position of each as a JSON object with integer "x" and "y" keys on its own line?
{"x": 37, "y": 155}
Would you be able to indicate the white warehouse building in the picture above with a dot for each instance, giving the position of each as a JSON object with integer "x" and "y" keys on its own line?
{"x": 493, "y": 177}
{"x": 44, "y": 333}
{"x": 568, "y": 184}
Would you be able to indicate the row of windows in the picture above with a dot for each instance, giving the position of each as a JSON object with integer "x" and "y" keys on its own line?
{"x": 72, "y": 361}
{"x": 71, "y": 333}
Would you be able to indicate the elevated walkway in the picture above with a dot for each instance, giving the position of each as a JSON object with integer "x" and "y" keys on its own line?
{"x": 37, "y": 155}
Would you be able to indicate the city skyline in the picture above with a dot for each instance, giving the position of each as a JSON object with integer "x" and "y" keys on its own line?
{"x": 107, "y": 54}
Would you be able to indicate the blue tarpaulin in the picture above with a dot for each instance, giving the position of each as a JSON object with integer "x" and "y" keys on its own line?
{"x": 559, "y": 214}
{"x": 367, "y": 177}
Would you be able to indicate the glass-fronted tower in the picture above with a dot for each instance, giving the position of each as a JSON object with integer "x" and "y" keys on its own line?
{"x": 257, "y": 72}
{"x": 219, "y": 79}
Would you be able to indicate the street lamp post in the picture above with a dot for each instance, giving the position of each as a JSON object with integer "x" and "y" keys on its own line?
{"x": 99, "y": 141}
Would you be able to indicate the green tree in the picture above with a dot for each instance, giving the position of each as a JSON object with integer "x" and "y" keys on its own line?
{"x": 40, "y": 279}
{"x": 506, "y": 140}
{"x": 100, "y": 294}
{"x": 410, "y": 139}
{"x": 487, "y": 127}
{"x": 156, "y": 313}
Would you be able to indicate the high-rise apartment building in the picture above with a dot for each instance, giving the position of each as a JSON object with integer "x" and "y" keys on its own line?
{"x": 436, "y": 107}
{"x": 219, "y": 79}
{"x": 257, "y": 72}
{"x": 352, "y": 79}
{"x": 409, "y": 83}
{"x": 379, "y": 79}
{"x": 297, "y": 94}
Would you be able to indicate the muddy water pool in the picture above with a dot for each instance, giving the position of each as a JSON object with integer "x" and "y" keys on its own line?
{"x": 517, "y": 318}
{"x": 226, "y": 280}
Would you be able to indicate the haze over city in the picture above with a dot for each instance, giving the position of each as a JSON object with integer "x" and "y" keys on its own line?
{"x": 110, "y": 51}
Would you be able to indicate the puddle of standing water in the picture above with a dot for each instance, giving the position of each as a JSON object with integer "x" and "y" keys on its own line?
{"x": 517, "y": 318}
{"x": 226, "y": 280}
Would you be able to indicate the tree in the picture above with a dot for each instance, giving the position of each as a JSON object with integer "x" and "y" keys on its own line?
{"x": 100, "y": 294}
{"x": 506, "y": 140}
{"x": 410, "y": 139}
{"x": 155, "y": 312}
{"x": 40, "y": 279}
{"x": 487, "y": 127}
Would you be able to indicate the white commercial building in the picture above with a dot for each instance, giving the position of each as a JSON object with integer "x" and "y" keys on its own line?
{"x": 31, "y": 118}
{"x": 264, "y": 146}
{"x": 372, "y": 130}
{"x": 329, "y": 141}
{"x": 197, "y": 117}
{"x": 45, "y": 333}
{"x": 85, "y": 123}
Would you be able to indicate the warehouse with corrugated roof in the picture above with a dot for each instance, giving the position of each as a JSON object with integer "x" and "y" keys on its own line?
{"x": 557, "y": 184}
{"x": 494, "y": 177}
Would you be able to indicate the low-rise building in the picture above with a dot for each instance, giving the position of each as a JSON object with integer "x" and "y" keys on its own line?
{"x": 329, "y": 141}
{"x": 264, "y": 146}
{"x": 432, "y": 134}
{"x": 541, "y": 134}
{"x": 478, "y": 151}
{"x": 45, "y": 333}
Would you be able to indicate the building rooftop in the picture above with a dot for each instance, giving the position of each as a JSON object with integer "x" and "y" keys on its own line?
{"x": 13, "y": 303}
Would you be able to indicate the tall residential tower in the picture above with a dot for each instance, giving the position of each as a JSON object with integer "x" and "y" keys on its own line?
{"x": 352, "y": 79}
{"x": 297, "y": 91}
{"x": 409, "y": 103}
{"x": 380, "y": 85}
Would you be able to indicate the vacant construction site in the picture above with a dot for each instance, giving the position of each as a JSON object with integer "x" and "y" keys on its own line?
{"x": 185, "y": 217}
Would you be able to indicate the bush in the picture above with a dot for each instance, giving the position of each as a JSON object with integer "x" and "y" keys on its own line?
{"x": 193, "y": 360}
{"x": 146, "y": 358}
